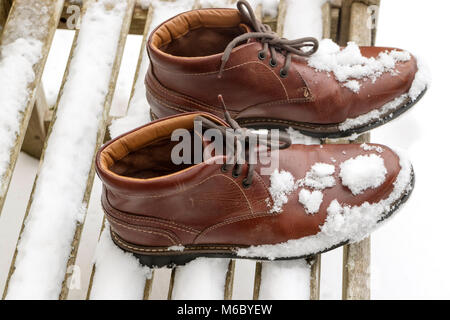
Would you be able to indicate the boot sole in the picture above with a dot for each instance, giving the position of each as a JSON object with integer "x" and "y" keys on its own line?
{"x": 330, "y": 131}
{"x": 158, "y": 257}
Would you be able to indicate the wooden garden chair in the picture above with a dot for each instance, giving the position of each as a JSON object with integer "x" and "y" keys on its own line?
{"x": 38, "y": 127}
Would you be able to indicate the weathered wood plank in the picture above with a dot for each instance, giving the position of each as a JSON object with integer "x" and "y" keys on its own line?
{"x": 5, "y": 5}
{"x": 334, "y": 32}
{"x": 41, "y": 28}
{"x": 282, "y": 7}
{"x": 356, "y": 257}
{"x": 137, "y": 24}
{"x": 229, "y": 281}
{"x": 34, "y": 140}
{"x": 326, "y": 20}
{"x": 257, "y": 285}
{"x": 346, "y": 18}
{"x": 171, "y": 283}
{"x": 358, "y": 29}
{"x": 315, "y": 278}
{"x": 356, "y": 262}
{"x": 356, "y": 271}
{"x": 55, "y": 131}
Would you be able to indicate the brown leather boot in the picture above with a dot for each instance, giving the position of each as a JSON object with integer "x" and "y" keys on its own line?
{"x": 315, "y": 199}
{"x": 272, "y": 82}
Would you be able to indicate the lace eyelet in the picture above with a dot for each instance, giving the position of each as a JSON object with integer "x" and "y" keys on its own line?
{"x": 234, "y": 174}
{"x": 261, "y": 55}
{"x": 245, "y": 184}
{"x": 223, "y": 169}
{"x": 283, "y": 73}
{"x": 273, "y": 63}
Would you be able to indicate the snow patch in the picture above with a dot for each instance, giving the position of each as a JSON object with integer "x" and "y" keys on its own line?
{"x": 310, "y": 200}
{"x": 16, "y": 73}
{"x": 110, "y": 262}
{"x": 367, "y": 147}
{"x": 353, "y": 85}
{"x": 303, "y": 19}
{"x": 285, "y": 280}
{"x": 348, "y": 64}
{"x": 344, "y": 223}
{"x": 176, "y": 248}
{"x": 363, "y": 172}
{"x": 46, "y": 241}
{"x": 373, "y": 115}
{"x": 281, "y": 185}
{"x": 319, "y": 176}
{"x": 202, "y": 278}
{"x": 422, "y": 80}
{"x": 298, "y": 138}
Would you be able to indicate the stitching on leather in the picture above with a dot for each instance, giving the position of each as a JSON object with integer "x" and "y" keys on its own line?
{"x": 169, "y": 223}
{"x": 164, "y": 102}
{"x": 231, "y": 221}
{"x": 149, "y": 220}
{"x": 285, "y": 122}
{"x": 228, "y": 69}
{"x": 165, "y": 250}
{"x": 184, "y": 190}
{"x": 264, "y": 184}
{"x": 145, "y": 231}
{"x": 182, "y": 97}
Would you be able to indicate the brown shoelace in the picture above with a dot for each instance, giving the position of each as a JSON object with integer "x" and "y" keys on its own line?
{"x": 270, "y": 40}
{"x": 241, "y": 136}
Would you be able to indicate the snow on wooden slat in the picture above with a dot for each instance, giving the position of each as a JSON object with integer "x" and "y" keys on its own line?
{"x": 270, "y": 276}
{"x": 137, "y": 115}
{"x": 24, "y": 46}
{"x": 356, "y": 260}
{"x": 203, "y": 278}
{"x": 285, "y": 280}
{"x": 356, "y": 256}
{"x": 34, "y": 139}
{"x": 56, "y": 210}
{"x": 82, "y": 270}
{"x": 119, "y": 275}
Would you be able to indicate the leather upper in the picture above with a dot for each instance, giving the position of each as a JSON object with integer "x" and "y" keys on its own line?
{"x": 252, "y": 87}
{"x": 201, "y": 204}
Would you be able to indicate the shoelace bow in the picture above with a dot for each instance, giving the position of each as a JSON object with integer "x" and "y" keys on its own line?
{"x": 270, "y": 40}
{"x": 241, "y": 136}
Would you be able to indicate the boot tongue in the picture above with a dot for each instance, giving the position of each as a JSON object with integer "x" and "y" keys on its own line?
{"x": 246, "y": 29}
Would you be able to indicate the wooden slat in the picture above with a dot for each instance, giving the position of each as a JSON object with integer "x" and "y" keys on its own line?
{"x": 358, "y": 30}
{"x": 334, "y": 32}
{"x": 257, "y": 285}
{"x": 346, "y": 18}
{"x": 356, "y": 262}
{"x": 149, "y": 282}
{"x": 356, "y": 271}
{"x": 315, "y": 278}
{"x": 229, "y": 281}
{"x": 12, "y": 31}
{"x": 356, "y": 257}
{"x": 281, "y": 17}
{"x": 171, "y": 283}
{"x": 137, "y": 24}
{"x": 5, "y": 5}
{"x": 100, "y": 134}
{"x": 34, "y": 140}
{"x": 326, "y": 20}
